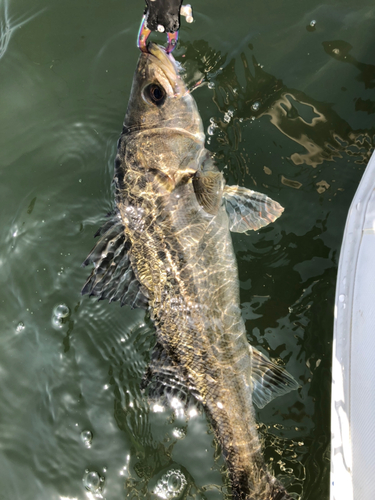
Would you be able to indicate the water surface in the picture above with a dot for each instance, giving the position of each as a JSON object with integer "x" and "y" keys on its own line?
{"x": 288, "y": 98}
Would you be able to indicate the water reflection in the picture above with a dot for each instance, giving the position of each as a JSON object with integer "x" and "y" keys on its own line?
{"x": 340, "y": 50}
{"x": 9, "y": 24}
{"x": 319, "y": 134}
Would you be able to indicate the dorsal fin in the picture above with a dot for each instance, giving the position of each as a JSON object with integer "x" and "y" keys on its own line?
{"x": 113, "y": 277}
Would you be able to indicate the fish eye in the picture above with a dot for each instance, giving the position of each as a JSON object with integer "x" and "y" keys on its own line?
{"x": 155, "y": 94}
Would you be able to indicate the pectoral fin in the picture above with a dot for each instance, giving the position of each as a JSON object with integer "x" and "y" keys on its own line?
{"x": 208, "y": 188}
{"x": 268, "y": 380}
{"x": 248, "y": 209}
{"x": 113, "y": 277}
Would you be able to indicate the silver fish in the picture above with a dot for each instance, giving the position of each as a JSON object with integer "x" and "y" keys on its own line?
{"x": 167, "y": 247}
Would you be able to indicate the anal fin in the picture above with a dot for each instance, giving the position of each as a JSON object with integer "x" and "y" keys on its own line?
{"x": 268, "y": 380}
{"x": 166, "y": 383}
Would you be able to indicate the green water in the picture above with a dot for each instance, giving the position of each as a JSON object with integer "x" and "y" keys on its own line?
{"x": 300, "y": 128}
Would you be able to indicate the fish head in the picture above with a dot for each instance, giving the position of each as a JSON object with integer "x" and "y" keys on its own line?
{"x": 159, "y": 97}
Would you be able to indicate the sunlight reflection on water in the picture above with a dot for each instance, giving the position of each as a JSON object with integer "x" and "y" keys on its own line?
{"x": 296, "y": 127}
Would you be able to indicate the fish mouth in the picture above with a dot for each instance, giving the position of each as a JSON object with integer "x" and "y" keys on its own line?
{"x": 167, "y": 69}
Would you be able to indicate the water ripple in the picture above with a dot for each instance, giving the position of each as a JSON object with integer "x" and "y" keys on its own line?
{"x": 9, "y": 24}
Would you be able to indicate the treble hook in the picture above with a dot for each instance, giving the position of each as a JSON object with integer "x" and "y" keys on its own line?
{"x": 144, "y": 32}
{"x": 172, "y": 38}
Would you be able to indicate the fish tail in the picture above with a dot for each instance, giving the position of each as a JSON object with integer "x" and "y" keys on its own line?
{"x": 279, "y": 492}
{"x": 271, "y": 489}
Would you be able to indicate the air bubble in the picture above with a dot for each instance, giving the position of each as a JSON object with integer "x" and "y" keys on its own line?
{"x": 60, "y": 314}
{"x": 211, "y": 128}
{"x": 313, "y": 23}
{"x": 92, "y": 481}
{"x": 86, "y": 437}
{"x": 255, "y": 106}
{"x": 171, "y": 485}
{"x": 20, "y": 327}
{"x": 61, "y": 311}
{"x": 174, "y": 483}
{"x": 211, "y": 85}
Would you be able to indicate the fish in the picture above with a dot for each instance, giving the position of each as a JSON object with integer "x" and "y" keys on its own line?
{"x": 167, "y": 247}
